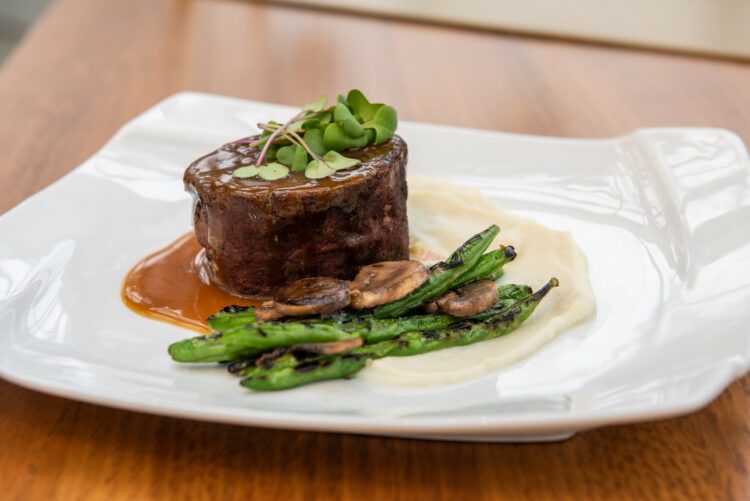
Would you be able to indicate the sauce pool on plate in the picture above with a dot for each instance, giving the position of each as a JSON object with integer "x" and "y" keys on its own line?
{"x": 168, "y": 285}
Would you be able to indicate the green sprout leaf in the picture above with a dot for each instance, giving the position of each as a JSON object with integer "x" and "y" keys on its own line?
{"x": 245, "y": 172}
{"x": 384, "y": 123}
{"x": 273, "y": 171}
{"x": 344, "y": 117}
{"x": 293, "y": 156}
{"x": 342, "y": 100}
{"x": 330, "y": 163}
{"x": 296, "y": 126}
{"x": 337, "y": 161}
{"x": 325, "y": 118}
{"x": 314, "y": 140}
{"x": 312, "y": 123}
{"x": 361, "y": 106}
{"x": 299, "y": 164}
{"x": 285, "y": 155}
{"x": 272, "y": 151}
{"x": 334, "y": 138}
{"x": 317, "y": 121}
{"x": 318, "y": 169}
{"x": 316, "y": 106}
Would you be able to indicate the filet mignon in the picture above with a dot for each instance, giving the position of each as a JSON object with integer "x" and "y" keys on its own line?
{"x": 260, "y": 235}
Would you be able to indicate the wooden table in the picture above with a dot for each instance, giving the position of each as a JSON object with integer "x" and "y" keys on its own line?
{"x": 90, "y": 65}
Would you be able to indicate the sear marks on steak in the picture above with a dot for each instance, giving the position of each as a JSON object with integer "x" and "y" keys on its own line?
{"x": 261, "y": 235}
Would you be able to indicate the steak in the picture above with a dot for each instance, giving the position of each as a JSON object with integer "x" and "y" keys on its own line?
{"x": 260, "y": 235}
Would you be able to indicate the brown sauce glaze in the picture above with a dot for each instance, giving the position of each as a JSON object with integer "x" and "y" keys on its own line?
{"x": 215, "y": 171}
{"x": 167, "y": 286}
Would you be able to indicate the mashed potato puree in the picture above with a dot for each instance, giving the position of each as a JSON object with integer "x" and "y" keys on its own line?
{"x": 441, "y": 216}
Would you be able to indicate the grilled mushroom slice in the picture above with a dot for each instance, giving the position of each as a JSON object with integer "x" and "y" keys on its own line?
{"x": 385, "y": 282}
{"x": 306, "y": 350}
{"x": 308, "y": 296}
{"x": 468, "y": 300}
{"x": 267, "y": 312}
{"x": 330, "y": 348}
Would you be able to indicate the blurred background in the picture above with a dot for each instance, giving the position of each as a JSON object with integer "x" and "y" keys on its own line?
{"x": 719, "y": 27}
{"x": 712, "y": 27}
{"x": 15, "y": 18}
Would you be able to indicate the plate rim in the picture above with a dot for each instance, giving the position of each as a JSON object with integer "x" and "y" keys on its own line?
{"x": 503, "y": 424}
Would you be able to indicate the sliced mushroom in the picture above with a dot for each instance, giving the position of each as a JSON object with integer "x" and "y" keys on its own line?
{"x": 305, "y": 350}
{"x": 266, "y": 312}
{"x": 311, "y": 296}
{"x": 382, "y": 283}
{"x": 433, "y": 306}
{"x": 330, "y": 348}
{"x": 468, "y": 300}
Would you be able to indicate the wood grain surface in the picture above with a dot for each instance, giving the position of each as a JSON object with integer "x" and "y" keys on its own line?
{"x": 90, "y": 65}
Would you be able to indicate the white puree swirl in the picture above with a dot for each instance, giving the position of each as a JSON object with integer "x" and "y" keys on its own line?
{"x": 441, "y": 217}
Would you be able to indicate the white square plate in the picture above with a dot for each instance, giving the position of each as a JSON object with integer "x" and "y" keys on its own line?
{"x": 663, "y": 216}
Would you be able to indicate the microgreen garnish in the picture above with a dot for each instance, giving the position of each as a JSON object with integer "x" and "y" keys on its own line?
{"x": 273, "y": 171}
{"x": 328, "y": 164}
{"x": 311, "y": 140}
{"x": 245, "y": 172}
